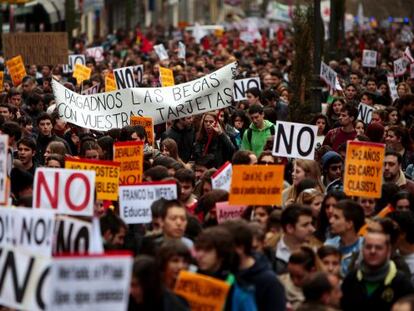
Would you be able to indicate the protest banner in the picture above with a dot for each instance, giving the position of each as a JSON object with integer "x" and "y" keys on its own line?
{"x": 92, "y": 90}
{"x": 295, "y": 140}
{"x": 363, "y": 169}
{"x": 161, "y": 52}
{"x": 412, "y": 71}
{"x": 256, "y": 185}
{"x": 400, "y": 67}
{"x": 393, "y": 87}
{"x": 221, "y": 179}
{"x": 181, "y": 50}
{"x": 16, "y": 69}
{"x": 241, "y": 86}
{"x": 124, "y": 78}
{"x": 369, "y": 58}
{"x": 98, "y": 282}
{"x": 110, "y": 84}
{"x": 28, "y": 230}
{"x": 24, "y": 279}
{"x": 96, "y": 53}
{"x": 228, "y": 212}
{"x": 130, "y": 155}
{"x": 41, "y": 48}
{"x": 166, "y": 77}
{"x": 81, "y": 73}
{"x": 135, "y": 201}
{"x": 107, "y": 175}
{"x": 365, "y": 113}
{"x": 1, "y": 80}
{"x": 4, "y": 147}
{"x": 147, "y": 124}
{"x": 71, "y": 236}
{"x": 69, "y": 192}
{"x": 105, "y": 111}
{"x": 202, "y": 292}
{"x": 328, "y": 75}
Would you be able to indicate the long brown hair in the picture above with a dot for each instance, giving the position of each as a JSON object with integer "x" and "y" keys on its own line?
{"x": 202, "y": 134}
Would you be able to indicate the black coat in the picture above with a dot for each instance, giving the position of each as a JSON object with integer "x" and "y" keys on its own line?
{"x": 184, "y": 138}
{"x": 220, "y": 147}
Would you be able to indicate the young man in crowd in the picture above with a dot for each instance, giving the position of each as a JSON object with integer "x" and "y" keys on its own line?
{"x": 393, "y": 172}
{"x": 113, "y": 231}
{"x": 332, "y": 169}
{"x": 26, "y": 151}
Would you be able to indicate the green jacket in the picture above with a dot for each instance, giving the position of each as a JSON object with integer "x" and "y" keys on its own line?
{"x": 259, "y": 137}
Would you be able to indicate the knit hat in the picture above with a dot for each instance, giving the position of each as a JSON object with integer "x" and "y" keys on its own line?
{"x": 375, "y": 132}
{"x": 329, "y": 158}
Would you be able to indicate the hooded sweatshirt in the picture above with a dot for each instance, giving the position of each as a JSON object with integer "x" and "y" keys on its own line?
{"x": 259, "y": 137}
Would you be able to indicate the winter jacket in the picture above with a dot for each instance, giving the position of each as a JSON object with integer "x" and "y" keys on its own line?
{"x": 184, "y": 138}
{"x": 220, "y": 147}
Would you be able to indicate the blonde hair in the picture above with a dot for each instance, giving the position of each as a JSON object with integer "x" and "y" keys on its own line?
{"x": 308, "y": 195}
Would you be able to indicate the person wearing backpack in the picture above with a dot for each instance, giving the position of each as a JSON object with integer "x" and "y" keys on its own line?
{"x": 255, "y": 137}
{"x": 255, "y": 284}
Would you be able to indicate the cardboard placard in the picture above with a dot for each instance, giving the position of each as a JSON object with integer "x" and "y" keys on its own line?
{"x": 365, "y": 113}
{"x": 130, "y": 155}
{"x": 228, "y": 212}
{"x": 107, "y": 175}
{"x": 135, "y": 201}
{"x": 166, "y": 77}
{"x": 148, "y": 124}
{"x": 369, "y": 58}
{"x": 66, "y": 191}
{"x": 221, "y": 179}
{"x": 393, "y": 87}
{"x": 72, "y": 236}
{"x": 16, "y": 69}
{"x": 256, "y": 185}
{"x": 4, "y": 182}
{"x": 242, "y": 85}
{"x": 328, "y": 75}
{"x": 295, "y": 140}
{"x": 110, "y": 84}
{"x": 99, "y": 282}
{"x": 81, "y": 73}
{"x": 37, "y": 48}
{"x": 202, "y": 292}
{"x": 364, "y": 163}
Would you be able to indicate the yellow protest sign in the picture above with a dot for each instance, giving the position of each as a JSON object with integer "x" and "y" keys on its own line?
{"x": 131, "y": 156}
{"x": 16, "y": 69}
{"x": 363, "y": 169}
{"x": 1, "y": 80}
{"x": 107, "y": 175}
{"x": 166, "y": 76}
{"x": 81, "y": 73}
{"x": 202, "y": 292}
{"x": 256, "y": 185}
{"x": 110, "y": 84}
{"x": 147, "y": 123}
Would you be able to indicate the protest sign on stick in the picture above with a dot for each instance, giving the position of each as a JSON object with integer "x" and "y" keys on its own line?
{"x": 130, "y": 155}
{"x": 241, "y": 86}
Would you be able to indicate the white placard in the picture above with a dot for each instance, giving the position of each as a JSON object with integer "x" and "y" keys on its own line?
{"x": 328, "y": 75}
{"x": 105, "y": 111}
{"x": 139, "y": 73}
{"x": 73, "y": 60}
{"x": 4, "y": 147}
{"x": 393, "y": 87}
{"x": 365, "y": 113}
{"x": 96, "y": 53}
{"x": 222, "y": 178}
{"x": 181, "y": 50}
{"x": 295, "y": 140}
{"x": 161, "y": 51}
{"x": 242, "y": 85}
{"x": 124, "y": 77}
{"x": 99, "y": 282}
{"x": 135, "y": 200}
{"x": 72, "y": 236}
{"x": 400, "y": 67}
{"x": 369, "y": 58}
{"x": 92, "y": 90}
{"x": 65, "y": 191}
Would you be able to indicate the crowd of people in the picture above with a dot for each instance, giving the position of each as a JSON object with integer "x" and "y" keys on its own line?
{"x": 319, "y": 250}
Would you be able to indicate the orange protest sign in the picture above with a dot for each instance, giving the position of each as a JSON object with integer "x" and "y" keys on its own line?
{"x": 1, "y": 80}
{"x": 166, "y": 76}
{"x": 107, "y": 175}
{"x": 131, "y": 156}
{"x": 256, "y": 185}
{"x": 147, "y": 123}
{"x": 202, "y": 292}
{"x": 81, "y": 73}
{"x": 363, "y": 169}
{"x": 16, "y": 69}
{"x": 110, "y": 84}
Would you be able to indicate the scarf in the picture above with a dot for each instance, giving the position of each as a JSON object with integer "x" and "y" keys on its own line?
{"x": 374, "y": 275}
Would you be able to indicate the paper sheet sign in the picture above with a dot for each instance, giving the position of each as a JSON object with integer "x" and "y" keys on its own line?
{"x": 228, "y": 212}
{"x": 400, "y": 66}
{"x": 72, "y": 236}
{"x": 221, "y": 179}
{"x": 1, "y": 80}
{"x": 130, "y": 155}
{"x": 369, "y": 58}
{"x": 242, "y": 85}
{"x": 148, "y": 124}
{"x": 135, "y": 201}
{"x": 98, "y": 282}
{"x": 66, "y": 191}
{"x": 4, "y": 158}
{"x": 110, "y": 84}
{"x": 16, "y": 68}
{"x": 393, "y": 87}
{"x": 256, "y": 185}
{"x": 96, "y": 53}
{"x": 202, "y": 292}
{"x": 365, "y": 113}
{"x": 328, "y": 75}
{"x": 81, "y": 73}
{"x": 166, "y": 77}
{"x": 107, "y": 175}
{"x": 92, "y": 90}
{"x": 363, "y": 169}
